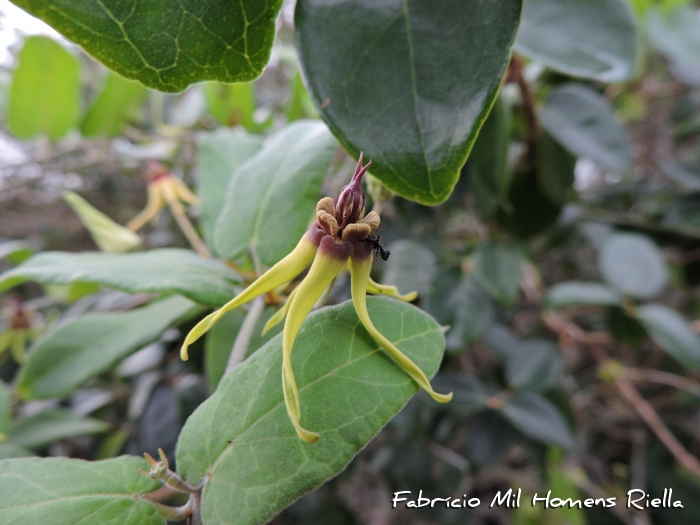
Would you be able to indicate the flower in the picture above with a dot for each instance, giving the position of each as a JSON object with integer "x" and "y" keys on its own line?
{"x": 23, "y": 329}
{"x": 166, "y": 189}
{"x": 334, "y": 241}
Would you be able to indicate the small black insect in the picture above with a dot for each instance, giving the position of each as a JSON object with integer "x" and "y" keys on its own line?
{"x": 383, "y": 251}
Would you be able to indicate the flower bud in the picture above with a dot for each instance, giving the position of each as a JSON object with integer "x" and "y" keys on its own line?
{"x": 351, "y": 202}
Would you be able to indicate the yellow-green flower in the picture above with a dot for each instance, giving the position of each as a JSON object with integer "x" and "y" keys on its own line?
{"x": 164, "y": 188}
{"x": 20, "y": 333}
{"x": 337, "y": 239}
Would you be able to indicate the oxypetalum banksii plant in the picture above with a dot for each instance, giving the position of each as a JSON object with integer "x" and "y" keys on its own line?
{"x": 335, "y": 240}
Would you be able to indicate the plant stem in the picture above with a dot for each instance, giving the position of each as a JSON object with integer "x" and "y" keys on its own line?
{"x": 186, "y": 226}
{"x": 245, "y": 334}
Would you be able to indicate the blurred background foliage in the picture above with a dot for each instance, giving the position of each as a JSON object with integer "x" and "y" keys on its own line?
{"x": 566, "y": 265}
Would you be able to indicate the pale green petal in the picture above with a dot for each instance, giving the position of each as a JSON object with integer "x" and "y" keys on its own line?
{"x": 281, "y": 273}
{"x": 322, "y": 272}
{"x": 359, "y": 273}
{"x": 392, "y": 291}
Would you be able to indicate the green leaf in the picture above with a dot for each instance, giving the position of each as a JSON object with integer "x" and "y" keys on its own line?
{"x": 51, "y": 425}
{"x": 407, "y": 82}
{"x": 672, "y": 333}
{"x": 474, "y": 313}
{"x": 498, "y": 270}
{"x": 676, "y": 34}
{"x": 578, "y": 118}
{"x": 272, "y": 197}
{"x": 300, "y": 106}
{"x": 109, "y": 236}
{"x": 534, "y": 365}
{"x": 83, "y": 347}
{"x": 15, "y": 251}
{"x": 538, "y": 418}
{"x": 45, "y": 90}
{"x": 231, "y": 104}
{"x": 242, "y": 438}
{"x": 556, "y": 169}
{"x": 110, "y": 111}
{"x": 167, "y": 44}
{"x": 63, "y": 491}
{"x": 220, "y": 341}
{"x": 489, "y": 170}
{"x": 633, "y": 264}
{"x": 575, "y": 293}
{"x": 219, "y": 154}
{"x": 5, "y": 409}
{"x": 411, "y": 267}
{"x": 595, "y": 39}
{"x": 501, "y": 341}
{"x": 9, "y": 450}
{"x": 162, "y": 271}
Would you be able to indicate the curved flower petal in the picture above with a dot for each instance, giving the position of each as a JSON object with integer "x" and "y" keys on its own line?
{"x": 281, "y": 273}
{"x": 392, "y": 291}
{"x": 359, "y": 273}
{"x": 324, "y": 269}
{"x": 154, "y": 206}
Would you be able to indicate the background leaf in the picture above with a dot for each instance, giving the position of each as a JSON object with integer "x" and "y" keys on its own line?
{"x": 111, "y": 109}
{"x": 5, "y": 409}
{"x": 633, "y": 264}
{"x": 498, "y": 270}
{"x": 574, "y": 293}
{"x": 220, "y": 341}
{"x": 473, "y": 311}
{"x": 167, "y": 44}
{"x": 595, "y": 39}
{"x": 411, "y": 267}
{"x": 219, "y": 154}
{"x": 488, "y": 162}
{"x": 556, "y": 169}
{"x": 45, "y": 91}
{"x": 676, "y": 34}
{"x": 385, "y": 79}
{"x": 672, "y": 333}
{"x": 231, "y": 104}
{"x": 83, "y": 347}
{"x": 537, "y": 418}
{"x": 165, "y": 270}
{"x": 534, "y": 365}
{"x": 348, "y": 390}
{"x": 64, "y": 491}
{"x": 576, "y": 116}
{"x": 272, "y": 197}
{"x": 48, "y": 426}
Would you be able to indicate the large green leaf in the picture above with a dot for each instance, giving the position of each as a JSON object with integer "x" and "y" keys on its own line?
{"x": 109, "y": 112}
{"x": 272, "y": 197}
{"x": 408, "y": 82}
{"x": 219, "y": 154}
{"x": 168, "y": 44}
{"x": 83, "y": 347}
{"x": 538, "y": 418}
{"x": 46, "y": 427}
{"x": 63, "y": 491}
{"x": 578, "y": 118}
{"x": 45, "y": 91}
{"x": 349, "y": 389}
{"x": 594, "y": 39}
{"x": 672, "y": 333}
{"x": 166, "y": 270}
{"x": 633, "y": 264}
{"x": 488, "y": 163}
